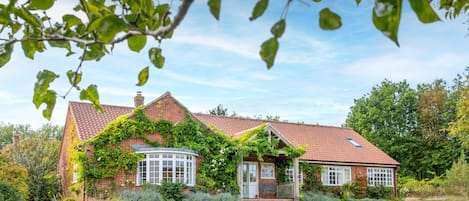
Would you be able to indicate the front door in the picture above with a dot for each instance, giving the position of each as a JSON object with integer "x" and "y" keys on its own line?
{"x": 250, "y": 183}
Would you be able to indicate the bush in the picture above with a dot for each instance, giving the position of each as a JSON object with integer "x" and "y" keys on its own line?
{"x": 317, "y": 196}
{"x": 198, "y": 196}
{"x": 378, "y": 192}
{"x": 172, "y": 191}
{"x": 207, "y": 197}
{"x": 423, "y": 188}
{"x": 371, "y": 199}
{"x": 69, "y": 199}
{"x": 147, "y": 194}
{"x": 458, "y": 177}
{"x": 9, "y": 193}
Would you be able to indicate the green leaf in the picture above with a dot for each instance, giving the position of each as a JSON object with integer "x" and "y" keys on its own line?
{"x": 95, "y": 52}
{"x": 91, "y": 94}
{"x": 42, "y": 93}
{"x": 358, "y": 2}
{"x": 40, "y": 4}
{"x": 387, "y": 16}
{"x": 329, "y": 20}
{"x": 28, "y": 48}
{"x": 74, "y": 78}
{"x": 278, "y": 28}
{"x": 61, "y": 44}
{"x": 4, "y": 16}
{"x": 143, "y": 76}
{"x": 5, "y": 53}
{"x": 156, "y": 57}
{"x": 109, "y": 26}
{"x": 268, "y": 51}
{"x": 424, "y": 11}
{"x": 215, "y": 6}
{"x": 137, "y": 43}
{"x": 317, "y": 1}
{"x": 28, "y": 17}
{"x": 259, "y": 9}
{"x": 71, "y": 20}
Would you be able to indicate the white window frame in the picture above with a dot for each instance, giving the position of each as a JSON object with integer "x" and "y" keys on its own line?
{"x": 153, "y": 174}
{"x": 336, "y": 175}
{"x": 267, "y": 171}
{"x": 75, "y": 174}
{"x": 380, "y": 176}
{"x": 289, "y": 173}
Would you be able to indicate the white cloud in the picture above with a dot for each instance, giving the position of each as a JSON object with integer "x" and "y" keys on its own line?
{"x": 221, "y": 82}
{"x": 414, "y": 65}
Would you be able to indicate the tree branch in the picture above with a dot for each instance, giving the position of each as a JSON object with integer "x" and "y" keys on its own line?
{"x": 163, "y": 30}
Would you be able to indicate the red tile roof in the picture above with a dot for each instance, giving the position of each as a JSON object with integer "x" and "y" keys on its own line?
{"x": 322, "y": 143}
{"x": 90, "y": 122}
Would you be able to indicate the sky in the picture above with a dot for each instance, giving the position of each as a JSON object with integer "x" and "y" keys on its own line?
{"x": 315, "y": 79}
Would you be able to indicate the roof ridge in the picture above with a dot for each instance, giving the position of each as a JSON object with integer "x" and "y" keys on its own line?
{"x": 81, "y": 102}
{"x": 272, "y": 121}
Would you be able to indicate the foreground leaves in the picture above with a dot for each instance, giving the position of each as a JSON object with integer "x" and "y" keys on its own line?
{"x": 329, "y": 20}
{"x": 143, "y": 76}
{"x": 387, "y": 16}
{"x": 215, "y": 6}
{"x": 5, "y": 53}
{"x": 42, "y": 93}
{"x": 91, "y": 94}
{"x": 269, "y": 51}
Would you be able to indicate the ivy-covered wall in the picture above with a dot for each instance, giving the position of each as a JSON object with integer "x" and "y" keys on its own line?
{"x": 105, "y": 156}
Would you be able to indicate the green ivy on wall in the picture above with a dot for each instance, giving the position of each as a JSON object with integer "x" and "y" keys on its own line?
{"x": 104, "y": 157}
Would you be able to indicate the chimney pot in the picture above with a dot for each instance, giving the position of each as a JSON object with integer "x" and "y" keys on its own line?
{"x": 139, "y": 99}
{"x": 16, "y": 141}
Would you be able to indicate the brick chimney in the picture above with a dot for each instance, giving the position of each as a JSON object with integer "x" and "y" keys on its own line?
{"x": 138, "y": 100}
{"x": 16, "y": 141}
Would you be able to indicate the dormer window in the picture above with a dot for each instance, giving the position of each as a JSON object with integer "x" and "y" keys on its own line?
{"x": 354, "y": 143}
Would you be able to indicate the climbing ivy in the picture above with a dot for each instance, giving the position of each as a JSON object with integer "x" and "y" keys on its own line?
{"x": 312, "y": 177}
{"x": 104, "y": 156}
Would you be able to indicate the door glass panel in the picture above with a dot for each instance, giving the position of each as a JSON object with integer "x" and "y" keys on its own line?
{"x": 253, "y": 173}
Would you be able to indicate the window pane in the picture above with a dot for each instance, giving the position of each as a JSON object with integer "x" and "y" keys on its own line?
{"x": 167, "y": 170}
{"x": 267, "y": 170}
{"x": 142, "y": 172}
{"x": 179, "y": 171}
{"x": 154, "y": 172}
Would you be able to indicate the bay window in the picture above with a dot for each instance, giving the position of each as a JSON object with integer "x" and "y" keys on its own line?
{"x": 167, "y": 164}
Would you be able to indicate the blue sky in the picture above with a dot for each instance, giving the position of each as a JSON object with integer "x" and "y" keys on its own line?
{"x": 316, "y": 77}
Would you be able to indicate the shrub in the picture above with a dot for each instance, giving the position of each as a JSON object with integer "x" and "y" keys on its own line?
{"x": 410, "y": 186}
{"x": 69, "y": 199}
{"x": 225, "y": 197}
{"x": 458, "y": 177}
{"x": 359, "y": 186}
{"x": 198, "y": 196}
{"x": 9, "y": 193}
{"x": 172, "y": 191}
{"x": 378, "y": 192}
{"x": 318, "y": 196}
{"x": 147, "y": 194}
{"x": 207, "y": 197}
{"x": 371, "y": 199}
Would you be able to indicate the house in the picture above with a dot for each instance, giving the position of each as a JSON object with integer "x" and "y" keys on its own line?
{"x": 342, "y": 153}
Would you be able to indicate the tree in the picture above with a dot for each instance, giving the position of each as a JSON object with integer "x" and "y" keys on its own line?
{"x": 39, "y": 156}
{"x": 434, "y": 110}
{"x": 14, "y": 177}
{"x": 387, "y": 117}
{"x": 109, "y": 22}
{"x": 460, "y": 127}
{"x": 219, "y": 110}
